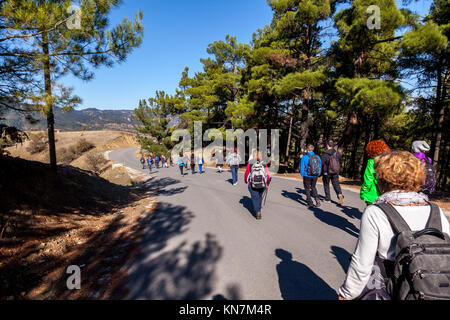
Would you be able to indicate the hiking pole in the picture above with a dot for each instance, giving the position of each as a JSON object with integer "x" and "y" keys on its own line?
{"x": 267, "y": 191}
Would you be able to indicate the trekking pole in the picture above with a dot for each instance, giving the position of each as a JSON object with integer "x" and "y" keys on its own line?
{"x": 267, "y": 191}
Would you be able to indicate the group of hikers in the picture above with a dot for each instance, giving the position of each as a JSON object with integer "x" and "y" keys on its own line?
{"x": 403, "y": 250}
{"x": 154, "y": 160}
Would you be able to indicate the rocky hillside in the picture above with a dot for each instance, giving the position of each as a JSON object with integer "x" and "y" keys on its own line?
{"x": 77, "y": 120}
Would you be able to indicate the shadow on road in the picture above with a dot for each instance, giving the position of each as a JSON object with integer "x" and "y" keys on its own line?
{"x": 184, "y": 273}
{"x": 342, "y": 256}
{"x": 248, "y": 204}
{"x": 298, "y": 282}
{"x": 233, "y": 292}
{"x": 352, "y": 213}
{"x": 336, "y": 221}
{"x": 160, "y": 186}
{"x": 294, "y": 196}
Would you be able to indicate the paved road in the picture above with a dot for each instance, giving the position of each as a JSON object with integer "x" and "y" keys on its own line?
{"x": 203, "y": 241}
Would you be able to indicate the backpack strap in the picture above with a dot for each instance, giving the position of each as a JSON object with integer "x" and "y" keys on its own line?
{"x": 395, "y": 219}
{"x": 434, "y": 222}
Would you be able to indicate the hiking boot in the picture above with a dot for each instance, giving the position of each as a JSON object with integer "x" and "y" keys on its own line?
{"x": 341, "y": 199}
{"x": 258, "y": 216}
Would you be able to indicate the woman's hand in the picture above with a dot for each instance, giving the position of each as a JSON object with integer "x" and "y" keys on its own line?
{"x": 341, "y": 298}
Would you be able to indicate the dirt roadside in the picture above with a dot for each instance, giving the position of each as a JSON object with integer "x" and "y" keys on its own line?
{"x": 78, "y": 218}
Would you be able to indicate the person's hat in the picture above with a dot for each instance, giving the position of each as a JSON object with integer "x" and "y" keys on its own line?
{"x": 420, "y": 146}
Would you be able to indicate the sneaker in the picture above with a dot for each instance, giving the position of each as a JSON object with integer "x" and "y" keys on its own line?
{"x": 258, "y": 216}
{"x": 318, "y": 204}
{"x": 327, "y": 201}
{"x": 341, "y": 199}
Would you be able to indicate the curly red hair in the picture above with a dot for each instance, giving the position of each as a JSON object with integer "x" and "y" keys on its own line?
{"x": 376, "y": 148}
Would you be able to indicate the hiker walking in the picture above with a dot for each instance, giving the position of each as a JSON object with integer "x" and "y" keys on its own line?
{"x": 332, "y": 160}
{"x": 149, "y": 163}
{"x": 200, "y": 162}
{"x": 180, "y": 163}
{"x": 257, "y": 177}
{"x": 219, "y": 164}
{"x": 193, "y": 163}
{"x": 369, "y": 189}
{"x": 406, "y": 236}
{"x": 233, "y": 160}
{"x": 157, "y": 162}
{"x": 419, "y": 149}
{"x": 143, "y": 161}
{"x": 310, "y": 170}
{"x": 163, "y": 161}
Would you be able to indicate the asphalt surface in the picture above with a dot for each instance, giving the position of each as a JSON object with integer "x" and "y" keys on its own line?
{"x": 203, "y": 241}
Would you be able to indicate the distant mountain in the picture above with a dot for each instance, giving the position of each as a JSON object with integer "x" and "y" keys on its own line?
{"x": 75, "y": 120}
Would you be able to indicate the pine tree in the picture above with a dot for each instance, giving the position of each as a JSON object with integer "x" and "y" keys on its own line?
{"x": 59, "y": 41}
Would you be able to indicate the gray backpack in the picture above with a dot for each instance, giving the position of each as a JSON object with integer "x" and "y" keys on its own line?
{"x": 258, "y": 176}
{"x": 421, "y": 270}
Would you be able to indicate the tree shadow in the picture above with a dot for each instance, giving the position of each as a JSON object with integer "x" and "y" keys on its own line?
{"x": 248, "y": 204}
{"x": 159, "y": 186}
{"x": 342, "y": 256}
{"x": 298, "y": 282}
{"x": 336, "y": 221}
{"x": 184, "y": 273}
{"x": 233, "y": 292}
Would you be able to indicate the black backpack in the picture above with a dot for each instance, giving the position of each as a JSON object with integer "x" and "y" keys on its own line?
{"x": 334, "y": 167}
{"x": 314, "y": 166}
{"x": 421, "y": 270}
{"x": 430, "y": 181}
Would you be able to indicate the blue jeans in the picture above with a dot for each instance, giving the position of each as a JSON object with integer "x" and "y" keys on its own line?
{"x": 200, "y": 168}
{"x": 234, "y": 173}
{"x": 257, "y": 198}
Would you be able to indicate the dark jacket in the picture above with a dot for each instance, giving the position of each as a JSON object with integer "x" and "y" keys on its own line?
{"x": 326, "y": 159}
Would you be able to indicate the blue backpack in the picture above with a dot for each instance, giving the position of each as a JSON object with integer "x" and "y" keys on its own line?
{"x": 314, "y": 166}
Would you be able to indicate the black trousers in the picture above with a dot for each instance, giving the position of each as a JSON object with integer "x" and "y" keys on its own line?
{"x": 181, "y": 169}
{"x": 310, "y": 187}
{"x": 334, "y": 178}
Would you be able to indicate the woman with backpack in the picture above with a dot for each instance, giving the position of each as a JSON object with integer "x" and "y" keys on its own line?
{"x": 257, "y": 177}
{"x": 180, "y": 163}
{"x": 193, "y": 163}
{"x": 419, "y": 149}
{"x": 200, "y": 161}
{"x": 234, "y": 160}
{"x": 369, "y": 189}
{"x": 401, "y": 208}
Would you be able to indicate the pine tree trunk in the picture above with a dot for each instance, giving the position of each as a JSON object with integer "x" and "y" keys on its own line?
{"x": 49, "y": 102}
{"x": 440, "y": 115}
{"x": 347, "y": 138}
{"x": 288, "y": 145}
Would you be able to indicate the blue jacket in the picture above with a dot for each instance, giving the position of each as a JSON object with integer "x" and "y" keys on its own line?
{"x": 304, "y": 165}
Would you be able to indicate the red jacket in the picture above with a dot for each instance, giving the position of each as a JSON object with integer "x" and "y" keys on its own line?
{"x": 247, "y": 173}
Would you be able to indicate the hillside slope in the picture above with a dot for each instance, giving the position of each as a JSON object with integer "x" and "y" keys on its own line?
{"x": 75, "y": 120}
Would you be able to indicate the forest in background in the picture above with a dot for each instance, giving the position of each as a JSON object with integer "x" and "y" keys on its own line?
{"x": 322, "y": 70}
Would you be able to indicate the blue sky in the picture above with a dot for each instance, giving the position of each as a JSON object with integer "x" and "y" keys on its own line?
{"x": 177, "y": 34}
